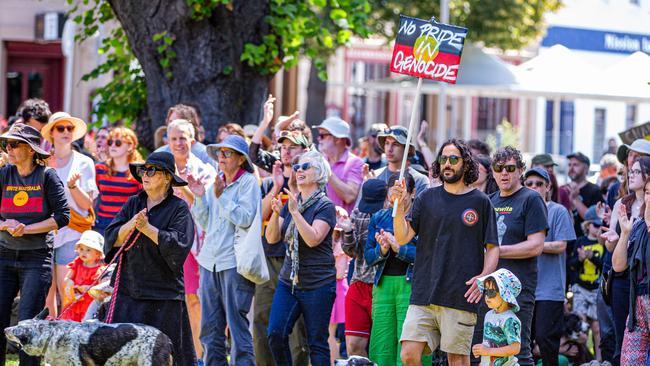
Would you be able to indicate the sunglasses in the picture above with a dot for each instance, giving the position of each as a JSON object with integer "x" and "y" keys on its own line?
{"x": 11, "y": 143}
{"x": 303, "y": 166}
{"x": 537, "y": 184}
{"x": 150, "y": 171}
{"x": 395, "y": 132}
{"x": 225, "y": 153}
{"x": 510, "y": 168}
{"x": 322, "y": 136}
{"x": 62, "y": 128}
{"x": 117, "y": 143}
{"x": 453, "y": 159}
{"x": 491, "y": 292}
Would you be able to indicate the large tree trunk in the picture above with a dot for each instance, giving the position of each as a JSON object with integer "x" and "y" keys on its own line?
{"x": 316, "y": 92}
{"x": 207, "y": 71}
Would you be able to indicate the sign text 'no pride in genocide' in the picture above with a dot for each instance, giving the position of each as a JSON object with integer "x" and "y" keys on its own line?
{"x": 428, "y": 49}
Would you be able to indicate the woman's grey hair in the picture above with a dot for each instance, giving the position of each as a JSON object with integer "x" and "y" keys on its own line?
{"x": 321, "y": 165}
{"x": 182, "y": 125}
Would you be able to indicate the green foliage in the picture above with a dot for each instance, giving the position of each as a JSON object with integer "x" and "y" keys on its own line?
{"x": 125, "y": 95}
{"x": 167, "y": 54}
{"x": 504, "y": 24}
{"x": 506, "y": 135}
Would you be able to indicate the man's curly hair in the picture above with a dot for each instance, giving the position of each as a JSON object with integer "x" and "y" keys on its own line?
{"x": 506, "y": 153}
{"x": 470, "y": 167}
{"x": 35, "y": 108}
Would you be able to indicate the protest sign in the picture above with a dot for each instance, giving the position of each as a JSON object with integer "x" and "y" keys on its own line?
{"x": 635, "y": 133}
{"x": 428, "y": 49}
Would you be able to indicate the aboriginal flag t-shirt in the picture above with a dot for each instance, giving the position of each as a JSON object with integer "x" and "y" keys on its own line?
{"x": 30, "y": 199}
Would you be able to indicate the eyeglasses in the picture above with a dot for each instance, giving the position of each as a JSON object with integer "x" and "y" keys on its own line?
{"x": 304, "y": 166}
{"x": 634, "y": 172}
{"x": 118, "y": 143}
{"x": 62, "y": 128}
{"x": 510, "y": 168}
{"x": 491, "y": 292}
{"x": 150, "y": 171}
{"x": 11, "y": 143}
{"x": 531, "y": 183}
{"x": 453, "y": 159}
{"x": 395, "y": 131}
{"x": 322, "y": 136}
{"x": 225, "y": 153}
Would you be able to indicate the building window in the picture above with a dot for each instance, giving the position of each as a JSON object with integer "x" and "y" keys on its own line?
{"x": 600, "y": 121}
{"x": 566, "y": 127}
{"x": 630, "y": 115}
{"x": 491, "y": 111}
{"x": 367, "y": 106}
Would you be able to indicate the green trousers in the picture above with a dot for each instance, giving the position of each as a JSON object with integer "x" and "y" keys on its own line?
{"x": 390, "y": 300}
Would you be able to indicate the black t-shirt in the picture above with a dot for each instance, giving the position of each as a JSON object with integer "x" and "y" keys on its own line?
{"x": 453, "y": 231}
{"x": 277, "y": 249}
{"x": 316, "y": 265}
{"x": 519, "y": 215}
{"x": 394, "y": 266}
{"x": 589, "y": 195}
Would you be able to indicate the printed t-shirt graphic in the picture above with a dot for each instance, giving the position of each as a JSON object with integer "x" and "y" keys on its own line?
{"x": 22, "y": 198}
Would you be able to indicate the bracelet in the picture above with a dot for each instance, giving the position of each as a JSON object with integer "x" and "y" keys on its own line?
{"x": 73, "y": 187}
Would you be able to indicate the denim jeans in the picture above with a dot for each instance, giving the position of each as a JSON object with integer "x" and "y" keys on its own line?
{"x": 606, "y": 325}
{"x": 316, "y": 308}
{"x": 226, "y": 298}
{"x": 30, "y": 272}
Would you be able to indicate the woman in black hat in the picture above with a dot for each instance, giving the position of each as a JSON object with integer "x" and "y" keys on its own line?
{"x": 28, "y": 217}
{"x": 149, "y": 288}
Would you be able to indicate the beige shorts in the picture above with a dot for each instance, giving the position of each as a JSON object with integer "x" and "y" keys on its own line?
{"x": 435, "y": 325}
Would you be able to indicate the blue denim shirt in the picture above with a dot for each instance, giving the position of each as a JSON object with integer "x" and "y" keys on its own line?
{"x": 383, "y": 219}
{"x": 219, "y": 217}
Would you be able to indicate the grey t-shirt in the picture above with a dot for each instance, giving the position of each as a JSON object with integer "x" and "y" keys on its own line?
{"x": 421, "y": 180}
{"x": 551, "y": 268}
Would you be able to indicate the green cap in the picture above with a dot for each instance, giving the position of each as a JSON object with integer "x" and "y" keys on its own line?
{"x": 543, "y": 159}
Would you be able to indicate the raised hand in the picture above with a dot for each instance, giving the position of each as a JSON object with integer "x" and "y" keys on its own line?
{"x": 623, "y": 220}
{"x": 268, "y": 111}
{"x": 398, "y": 191}
{"x": 73, "y": 178}
{"x": 293, "y": 202}
{"x": 276, "y": 205}
{"x": 219, "y": 186}
{"x": 195, "y": 185}
{"x": 278, "y": 176}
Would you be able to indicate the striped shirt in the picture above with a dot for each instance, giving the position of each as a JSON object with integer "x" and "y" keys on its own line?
{"x": 114, "y": 190}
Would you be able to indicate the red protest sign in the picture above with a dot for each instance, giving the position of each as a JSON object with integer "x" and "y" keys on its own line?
{"x": 428, "y": 49}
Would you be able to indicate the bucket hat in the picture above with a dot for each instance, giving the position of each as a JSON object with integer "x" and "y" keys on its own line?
{"x": 373, "y": 195}
{"x": 337, "y": 127}
{"x": 80, "y": 127}
{"x": 508, "y": 284}
{"x": 642, "y": 146}
{"x": 399, "y": 133}
{"x": 163, "y": 160}
{"x": 236, "y": 143}
{"x": 26, "y": 134}
{"x": 93, "y": 240}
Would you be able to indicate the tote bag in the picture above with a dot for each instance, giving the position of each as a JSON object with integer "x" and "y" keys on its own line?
{"x": 249, "y": 252}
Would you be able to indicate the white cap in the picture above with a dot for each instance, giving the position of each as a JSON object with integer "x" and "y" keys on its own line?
{"x": 337, "y": 127}
{"x": 93, "y": 240}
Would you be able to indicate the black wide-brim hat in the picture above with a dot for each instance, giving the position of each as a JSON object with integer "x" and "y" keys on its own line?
{"x": 27, "y": 134}
{"x": 163, "y": 160}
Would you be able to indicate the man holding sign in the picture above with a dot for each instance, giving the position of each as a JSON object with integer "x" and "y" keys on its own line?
{"x": 456, "y": 244}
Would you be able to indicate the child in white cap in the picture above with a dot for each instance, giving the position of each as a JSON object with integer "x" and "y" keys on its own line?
{"x": 83, "y": 272}
{"x": 502, "y": 328}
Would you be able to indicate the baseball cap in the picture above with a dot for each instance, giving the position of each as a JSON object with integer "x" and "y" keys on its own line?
{"x": 580, "y": 157}
{"x": 295, "y": 137}
{"x": 541, "y": 172}
{"x": 543, "y": 159}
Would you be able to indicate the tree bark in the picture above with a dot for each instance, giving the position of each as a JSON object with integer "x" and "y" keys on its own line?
{"x": 206, "y": 71}
{"x": 316, "y": 92}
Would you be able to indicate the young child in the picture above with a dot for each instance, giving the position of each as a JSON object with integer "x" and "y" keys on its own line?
{"x": 502, "y": 328}
{"x": 83, "y": 272}
{"x": 341, "y": 261}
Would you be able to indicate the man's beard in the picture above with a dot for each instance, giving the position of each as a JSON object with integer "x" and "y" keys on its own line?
{"x": 453, "y": 179}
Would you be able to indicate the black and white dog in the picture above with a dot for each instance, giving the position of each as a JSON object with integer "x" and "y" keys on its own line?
{"x": 69, "y": 343}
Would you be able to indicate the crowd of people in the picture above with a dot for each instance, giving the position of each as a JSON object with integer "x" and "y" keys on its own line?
{"x": 471, "y": 257}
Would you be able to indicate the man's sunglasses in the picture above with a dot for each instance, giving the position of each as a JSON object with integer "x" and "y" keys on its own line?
{"x": 510, "y": 168}
{"x": 117, "y": 143}
{"x": 304, "y": 166}
{"x": 453, "y": 159}
{"x": 491, "y": 292}
{"x": 62, "y": 128}
{"x": 537, "y": 184}
{"x": 149, "y": 172}
{"x": 12, "y": 143}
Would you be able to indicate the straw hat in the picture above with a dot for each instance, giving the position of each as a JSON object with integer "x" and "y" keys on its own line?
{"x": 80, "y": 127}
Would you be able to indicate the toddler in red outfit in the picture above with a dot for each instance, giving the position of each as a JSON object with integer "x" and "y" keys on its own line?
{"x": 83, "y": 272}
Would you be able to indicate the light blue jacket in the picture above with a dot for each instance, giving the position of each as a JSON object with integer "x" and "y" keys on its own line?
{"x": 219, "y": 217}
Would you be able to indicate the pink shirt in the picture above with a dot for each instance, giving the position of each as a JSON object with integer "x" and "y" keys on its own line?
{"x": 349, "y": 168}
